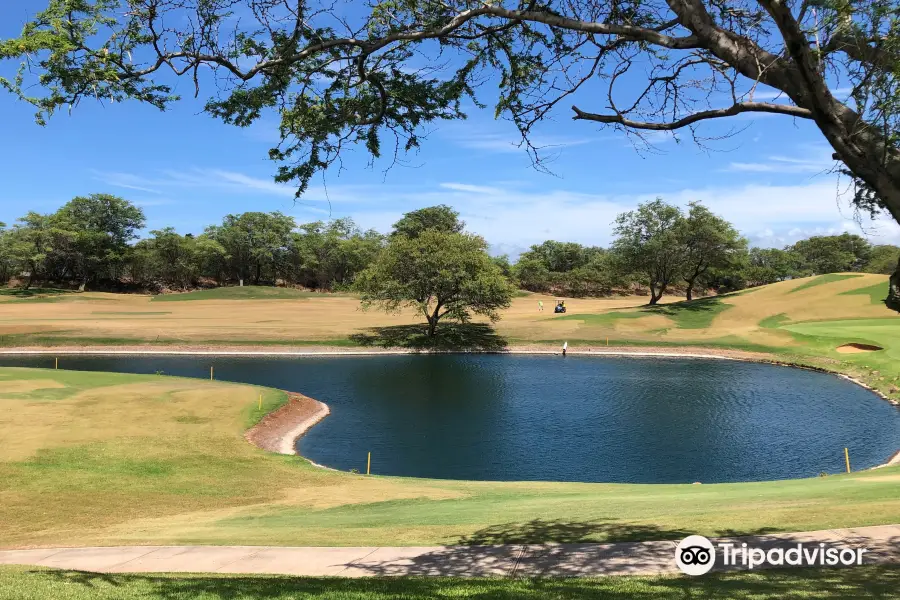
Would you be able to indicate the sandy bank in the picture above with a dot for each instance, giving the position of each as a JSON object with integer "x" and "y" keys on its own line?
{"x": 278, "y": 431}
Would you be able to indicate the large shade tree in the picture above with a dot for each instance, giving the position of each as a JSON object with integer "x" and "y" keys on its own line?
{"x": 709, "y": 243}
{"x": 340, "y": 76}
{"x": 649, "y": 242}
{"x": 440, "y": 274}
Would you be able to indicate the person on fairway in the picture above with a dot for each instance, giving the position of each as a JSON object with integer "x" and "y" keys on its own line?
{"x": 540, "y": 305}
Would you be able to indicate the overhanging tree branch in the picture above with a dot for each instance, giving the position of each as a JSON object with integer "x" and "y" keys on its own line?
{"x": 741, "y": 107}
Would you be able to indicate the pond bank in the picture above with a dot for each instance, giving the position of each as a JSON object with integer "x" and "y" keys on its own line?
{"x": 278, "y": 431}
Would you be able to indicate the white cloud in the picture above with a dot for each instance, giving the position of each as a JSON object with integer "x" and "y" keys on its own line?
{"x": 126, "y": 181}
{"x": 809, "y": 159}
{"x": 476, "y": 189}
{"x": 508, "y": 217}
{"x": 475, "y": 138}
{"x": 511, "y": 215}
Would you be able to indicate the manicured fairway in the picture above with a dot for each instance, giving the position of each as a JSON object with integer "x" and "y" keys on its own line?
{"x": 105, "y": 459}
{"x": 858, "y": 582}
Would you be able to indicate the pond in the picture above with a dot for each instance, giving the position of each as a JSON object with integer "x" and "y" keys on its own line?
{"x": 579, "y": 418}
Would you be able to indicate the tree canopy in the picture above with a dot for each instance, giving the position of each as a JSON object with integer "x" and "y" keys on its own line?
{"x": 440, "y": 274}
{"x": 709, "y": 243}
{"x": 648, "y": 241}
{"x": 437, "y": 218}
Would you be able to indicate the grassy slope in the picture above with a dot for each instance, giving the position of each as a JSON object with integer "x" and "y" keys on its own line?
{"x": 100, "y": 459}
{"x": 860, "y": 582}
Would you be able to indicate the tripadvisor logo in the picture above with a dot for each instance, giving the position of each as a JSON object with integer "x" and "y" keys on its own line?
{"x": 696, "y": 555}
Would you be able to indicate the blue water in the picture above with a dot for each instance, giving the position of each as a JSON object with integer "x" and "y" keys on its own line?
{"x": 493, "y": 417}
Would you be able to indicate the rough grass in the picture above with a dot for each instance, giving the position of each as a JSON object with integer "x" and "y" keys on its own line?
{"x": 102, "y": 459}
{"x": 823, "y": 279}
{"x": 247, "y": 292}
{"x": 27, "y": 583}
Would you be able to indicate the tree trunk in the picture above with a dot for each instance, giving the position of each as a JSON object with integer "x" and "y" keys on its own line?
{"x": 258, "y": 273}
{"x": 654, "y": 295}
{"x": 690, "y": 289}
{"x": 433, "y": 319}
{"x": 893, "y": 298}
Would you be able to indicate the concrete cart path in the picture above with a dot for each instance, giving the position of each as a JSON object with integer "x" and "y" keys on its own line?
{"x": 559, "y": 560}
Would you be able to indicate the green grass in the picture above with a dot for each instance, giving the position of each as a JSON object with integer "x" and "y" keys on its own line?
{"x": 877, "y": 293}
{"x": 775, "y": 321}
{"x": 693, "y": 314}
{"x": 247, "y": 292}
{"x": 822, "y": 280}
{"x": 32, "y": 583}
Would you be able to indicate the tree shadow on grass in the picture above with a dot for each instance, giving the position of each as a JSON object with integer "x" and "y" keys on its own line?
{"x": 33, "y": 292}
{"x": 880, "y": 582}
{"x": 690, "y": 314}
{"x": 448, "y": 337}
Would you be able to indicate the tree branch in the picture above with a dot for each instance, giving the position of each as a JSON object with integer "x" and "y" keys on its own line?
{"x": 741, "y": 107}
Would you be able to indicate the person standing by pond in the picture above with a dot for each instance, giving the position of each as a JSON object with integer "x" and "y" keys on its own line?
{"x": 565, "y": 346}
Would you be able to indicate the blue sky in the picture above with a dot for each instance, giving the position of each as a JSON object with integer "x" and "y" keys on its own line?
{"x": 188, "y": 170}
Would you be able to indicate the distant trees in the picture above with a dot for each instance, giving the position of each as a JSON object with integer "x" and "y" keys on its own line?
{"x": 254, "y": 243}
{"x": 769, "y": 265}
{"x": 91, "y": 240}
{"x": 832, "y": 254}
{"x": 330, "y": 255}
{"x": 566, "y": 268}
{"x": 442, "y": 274}
{"x": 883, "y": 259}
{"x": 85, "y": 240}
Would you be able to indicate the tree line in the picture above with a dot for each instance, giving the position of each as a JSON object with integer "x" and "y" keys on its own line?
{"x": 658, "y": 247}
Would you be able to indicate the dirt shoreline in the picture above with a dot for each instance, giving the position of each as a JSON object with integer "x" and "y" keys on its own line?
{"x": 279, "y": 430}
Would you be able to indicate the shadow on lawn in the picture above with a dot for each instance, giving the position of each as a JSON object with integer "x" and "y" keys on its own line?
{"x": 873, "y": 582}
{"x": 470, "y": 570}
{"x": 697, "y": 305}
{"x": 33, "y": 292}
{"x": 449, "y": 337}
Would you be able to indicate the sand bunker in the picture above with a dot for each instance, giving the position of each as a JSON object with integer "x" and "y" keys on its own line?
{"x": 856, "y": 348}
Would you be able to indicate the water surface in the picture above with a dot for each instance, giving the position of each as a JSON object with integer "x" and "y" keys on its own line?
{"x": 492, "y": 417}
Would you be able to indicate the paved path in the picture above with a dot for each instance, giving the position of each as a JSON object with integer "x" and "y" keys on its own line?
{"x": 583, "y": 560}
